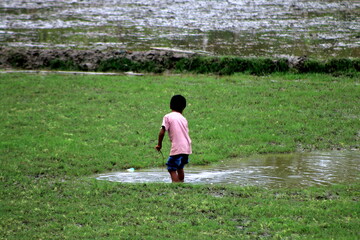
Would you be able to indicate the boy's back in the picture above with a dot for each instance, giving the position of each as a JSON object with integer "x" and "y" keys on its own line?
{"x": 177, "y": 126}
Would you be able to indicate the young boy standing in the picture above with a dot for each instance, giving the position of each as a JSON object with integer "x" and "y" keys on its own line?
{"x": 177, "y": 127}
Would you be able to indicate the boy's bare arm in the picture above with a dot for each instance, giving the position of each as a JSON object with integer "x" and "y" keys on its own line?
{"x": 160, "y": 140}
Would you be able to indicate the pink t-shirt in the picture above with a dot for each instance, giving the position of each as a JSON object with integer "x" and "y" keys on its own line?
{"x": 177, "y": 126}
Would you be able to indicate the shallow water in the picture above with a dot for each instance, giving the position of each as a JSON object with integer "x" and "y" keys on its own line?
{"x": 272, "y": 171}
{"x": 319, "y": 28}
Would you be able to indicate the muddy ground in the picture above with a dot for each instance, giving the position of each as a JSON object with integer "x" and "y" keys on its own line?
{"x": 89, "y": 60}
{"x": 319, "y": 29}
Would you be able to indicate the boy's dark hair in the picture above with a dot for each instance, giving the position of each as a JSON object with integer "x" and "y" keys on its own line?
{"x": 178, "y": 103}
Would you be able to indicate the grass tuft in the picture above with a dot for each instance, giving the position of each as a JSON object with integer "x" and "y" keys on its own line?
{"x": 125, "y": 65}
{"x": 63, "y": 65}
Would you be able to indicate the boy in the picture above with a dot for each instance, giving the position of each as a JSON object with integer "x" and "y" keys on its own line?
{"x": 177, "y": 126}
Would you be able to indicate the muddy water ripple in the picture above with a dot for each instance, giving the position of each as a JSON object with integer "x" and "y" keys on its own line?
{"x": 273, "y": 170}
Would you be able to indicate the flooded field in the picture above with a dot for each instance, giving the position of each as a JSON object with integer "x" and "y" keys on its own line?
{"x": 274, "y": 170}
{"x": 317, "y": 28}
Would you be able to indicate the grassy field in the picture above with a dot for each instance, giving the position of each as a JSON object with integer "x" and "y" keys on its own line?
{"x": 58, "y": 130}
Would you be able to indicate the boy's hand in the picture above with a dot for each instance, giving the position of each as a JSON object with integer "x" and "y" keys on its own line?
{"x": 161, "y": 137}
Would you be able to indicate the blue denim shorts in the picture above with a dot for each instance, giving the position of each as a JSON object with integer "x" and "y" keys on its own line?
{"x": 177, "y": 162}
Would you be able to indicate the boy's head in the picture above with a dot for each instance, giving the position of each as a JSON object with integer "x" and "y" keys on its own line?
{"x": 178, "y": 103}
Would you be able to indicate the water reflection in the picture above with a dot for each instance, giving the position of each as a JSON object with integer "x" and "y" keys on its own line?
{"x": 281, "y": 170}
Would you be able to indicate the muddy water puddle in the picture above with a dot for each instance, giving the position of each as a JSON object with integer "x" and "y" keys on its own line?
{"x": 272, "y": 171}
{"x": 226, "y": 27}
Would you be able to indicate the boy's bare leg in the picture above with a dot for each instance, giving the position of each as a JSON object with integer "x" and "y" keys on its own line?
{"x": 181, "y": 175}
{"x": 174, "y": 176}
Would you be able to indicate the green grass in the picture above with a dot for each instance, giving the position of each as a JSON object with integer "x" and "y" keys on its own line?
{"x": 58, "y": 130}
{"x": 90, "y": 209}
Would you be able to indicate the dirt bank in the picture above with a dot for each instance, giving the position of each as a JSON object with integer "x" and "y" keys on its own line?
{"x": 158, "y": 60}
{"x": 87, "y": 60}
